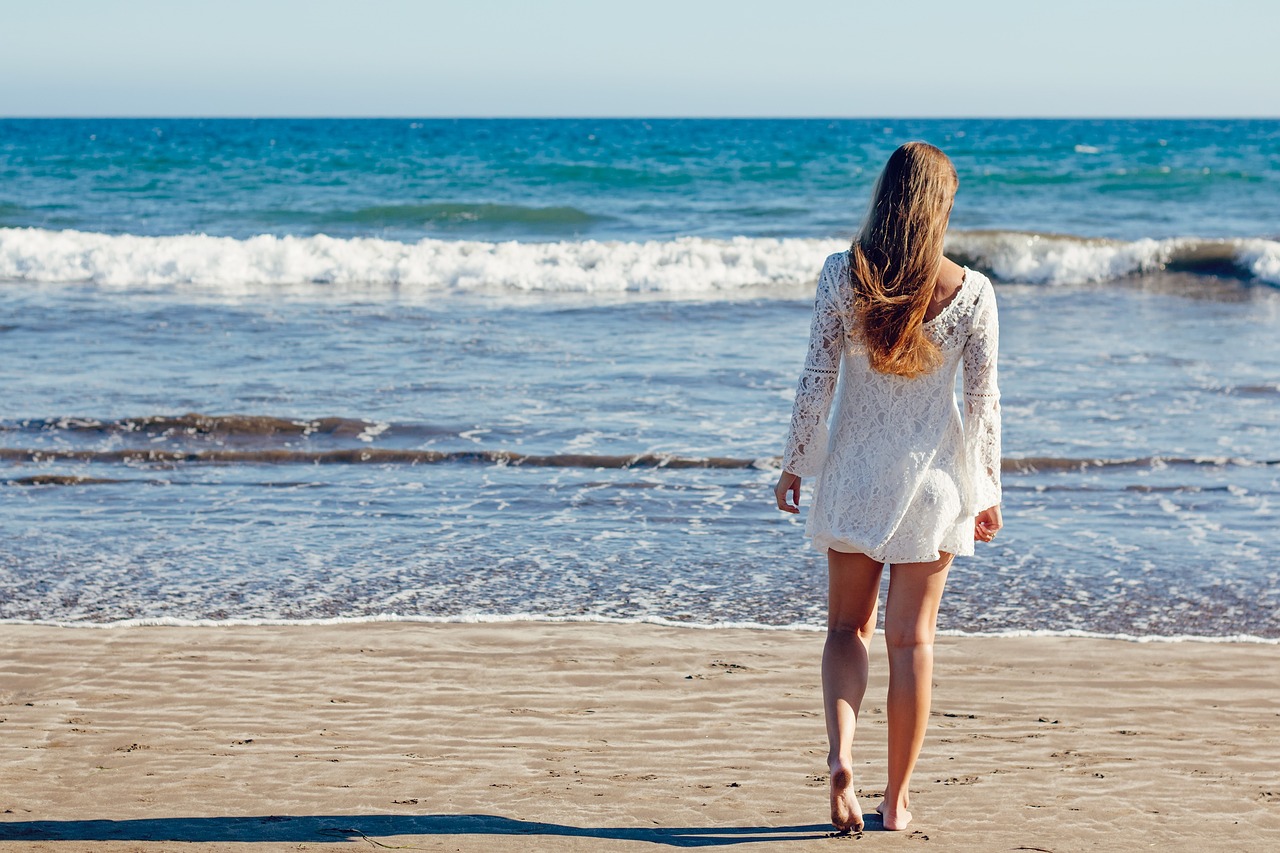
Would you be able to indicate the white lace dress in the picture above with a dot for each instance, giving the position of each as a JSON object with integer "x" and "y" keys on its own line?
{"x": 899, "y": 476}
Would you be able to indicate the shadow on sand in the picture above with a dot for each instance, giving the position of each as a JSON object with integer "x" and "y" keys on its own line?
{"x": 320, "y": 828}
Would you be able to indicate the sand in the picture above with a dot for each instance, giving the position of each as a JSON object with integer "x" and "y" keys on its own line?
{"x": 585, "y": 737}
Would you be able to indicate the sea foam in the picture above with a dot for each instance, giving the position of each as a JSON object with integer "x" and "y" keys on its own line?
{"x": 685, "y": 265}
{"x": 516, "y": 618}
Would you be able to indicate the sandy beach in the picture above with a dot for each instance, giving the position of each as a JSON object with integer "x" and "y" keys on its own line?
{"x": 537, "y": 736}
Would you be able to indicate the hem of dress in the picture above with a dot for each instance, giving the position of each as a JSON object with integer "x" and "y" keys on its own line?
{"x": 822, "y": 544}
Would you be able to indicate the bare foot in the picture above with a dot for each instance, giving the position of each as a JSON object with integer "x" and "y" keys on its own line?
{"x": 894, "y": 819}
{"x": 846, "y": 812}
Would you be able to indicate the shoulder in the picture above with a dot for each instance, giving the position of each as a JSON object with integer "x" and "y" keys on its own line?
{"x": 835, "y": 271}
{"x": 979, "y": 287}
{"x": 982, "y": 317}
{"x": 980, "y": 278}
{"x": 986, "y": 290}
{"x": 835, "y": 263}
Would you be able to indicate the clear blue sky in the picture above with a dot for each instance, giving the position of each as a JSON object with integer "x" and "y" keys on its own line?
{"x": 639, "y": 58}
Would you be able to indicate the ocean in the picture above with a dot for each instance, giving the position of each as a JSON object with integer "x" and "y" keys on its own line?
{"x": 290, "y": 370}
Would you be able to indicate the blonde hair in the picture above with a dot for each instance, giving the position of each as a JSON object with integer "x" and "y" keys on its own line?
{"x": 896, "y": 257}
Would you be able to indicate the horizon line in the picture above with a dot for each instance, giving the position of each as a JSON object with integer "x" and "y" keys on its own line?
{"x": 412, "y": 117}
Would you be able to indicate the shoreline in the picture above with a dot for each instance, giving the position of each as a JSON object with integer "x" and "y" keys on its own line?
{"x": 656, "y": 621}
{"x": 602, "y": 736}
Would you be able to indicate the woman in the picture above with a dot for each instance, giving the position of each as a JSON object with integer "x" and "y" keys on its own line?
{"x": 900, "y": 478}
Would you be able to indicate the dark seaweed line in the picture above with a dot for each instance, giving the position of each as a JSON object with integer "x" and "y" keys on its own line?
{"x": 388, "y": 456}
{"x": 371, "y": 456}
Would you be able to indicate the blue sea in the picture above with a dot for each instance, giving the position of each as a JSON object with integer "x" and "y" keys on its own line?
{"x": 263, "y": 370}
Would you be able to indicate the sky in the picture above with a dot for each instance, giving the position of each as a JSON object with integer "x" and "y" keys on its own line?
{"x": 828, "y": 58}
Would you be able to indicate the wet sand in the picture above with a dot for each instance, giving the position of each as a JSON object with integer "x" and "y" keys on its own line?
{"x": 586, "y": 737}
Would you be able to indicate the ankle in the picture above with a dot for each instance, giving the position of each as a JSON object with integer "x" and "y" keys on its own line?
{"x": 895, "y": 800}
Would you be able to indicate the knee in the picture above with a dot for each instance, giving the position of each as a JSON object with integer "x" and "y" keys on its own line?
{"x": 847, "y": 632}
{"x": 908, "y": 640}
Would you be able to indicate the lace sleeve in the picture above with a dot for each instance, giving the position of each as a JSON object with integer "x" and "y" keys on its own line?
{"x": 807, "y": 441}
{"x": 982, "y": 401}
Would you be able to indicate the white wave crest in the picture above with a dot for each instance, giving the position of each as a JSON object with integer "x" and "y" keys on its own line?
{"x": 1262, "y": 259}
{"x": 1047, "y": 259}
{"x": 1053, "y": 259}
{"x": 687, "y": 265}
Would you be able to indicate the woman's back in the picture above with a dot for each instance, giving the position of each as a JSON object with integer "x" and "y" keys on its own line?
{"x": 895, "y": 480}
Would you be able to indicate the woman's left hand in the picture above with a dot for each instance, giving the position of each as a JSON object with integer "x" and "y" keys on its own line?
{"x": 987, "y": 523}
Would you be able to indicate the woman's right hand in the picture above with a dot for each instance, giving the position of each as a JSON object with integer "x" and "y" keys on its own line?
{"x": 788, "y": 486}
{"x": 987, "y": 523}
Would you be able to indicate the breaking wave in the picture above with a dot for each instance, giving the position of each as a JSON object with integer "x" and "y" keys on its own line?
{"x": 685, "y": 265}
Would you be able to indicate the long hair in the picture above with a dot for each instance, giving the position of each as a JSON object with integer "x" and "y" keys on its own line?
{"x": 896, "y": 256}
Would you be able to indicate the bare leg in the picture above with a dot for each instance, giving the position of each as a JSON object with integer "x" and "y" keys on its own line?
{"x": 910, "y": 617}
{"x": 853, "y": 594}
